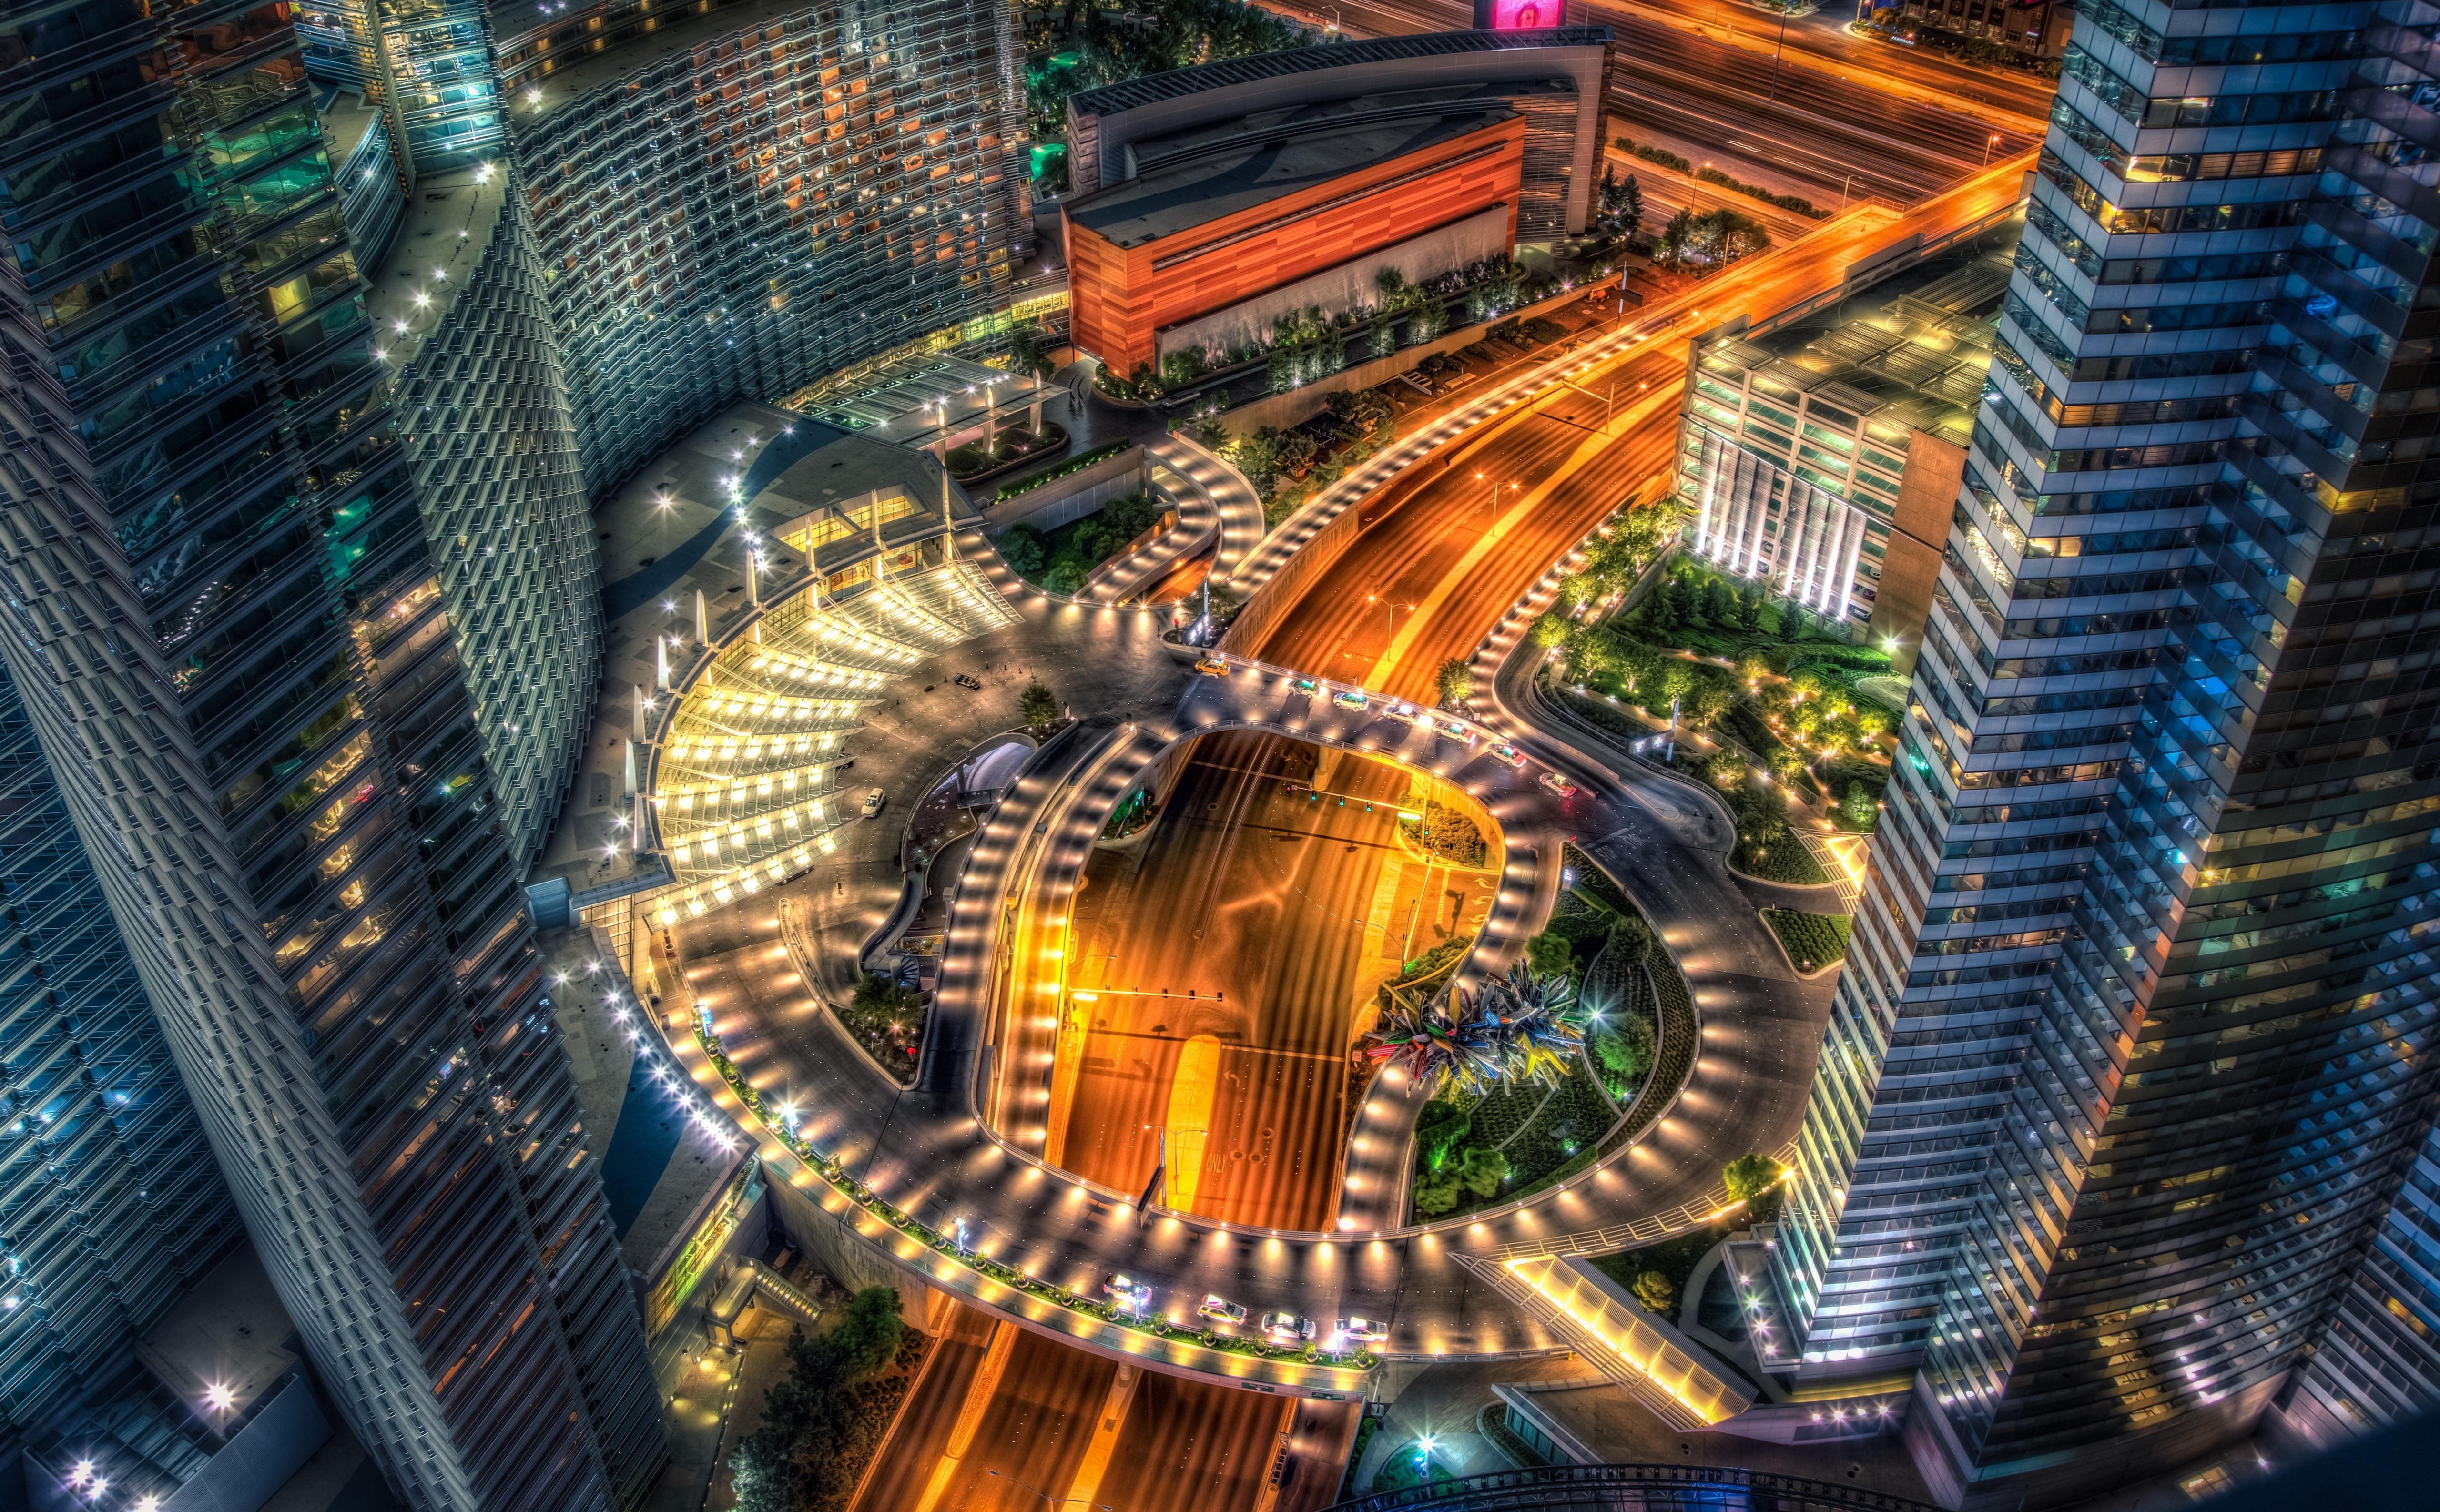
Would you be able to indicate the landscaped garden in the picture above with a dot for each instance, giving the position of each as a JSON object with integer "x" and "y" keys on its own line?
{"x": 1787, "y": 700}
{"x": 1477, "y": 1152}
{"x": 1812, "y": 939}
{"x": 888, "y": 1021}
{"x": 1058, "y": 561}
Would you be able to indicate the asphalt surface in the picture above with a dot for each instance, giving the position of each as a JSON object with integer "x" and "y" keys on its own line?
{"x": 1255, "y": 899}
{"x": 922, "y": 1151}
{"x": 1904, "y": 123}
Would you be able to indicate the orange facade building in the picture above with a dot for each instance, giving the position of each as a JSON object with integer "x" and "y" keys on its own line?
{"x": 1265, "y": 203}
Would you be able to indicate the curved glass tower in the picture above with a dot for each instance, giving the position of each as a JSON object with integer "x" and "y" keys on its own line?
{"x": 2134, "y": 1049}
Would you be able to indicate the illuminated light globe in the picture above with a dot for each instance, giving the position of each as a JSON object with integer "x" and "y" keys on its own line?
{"x": 1515, "y": 1028}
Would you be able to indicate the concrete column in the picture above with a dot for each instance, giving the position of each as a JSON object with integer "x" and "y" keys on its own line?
{"x": 702, "y": 620}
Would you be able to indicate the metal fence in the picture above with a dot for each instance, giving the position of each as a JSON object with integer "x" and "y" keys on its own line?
{"x": 1634, "y": 1489}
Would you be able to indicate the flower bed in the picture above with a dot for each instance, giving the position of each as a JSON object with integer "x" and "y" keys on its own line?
{"x": 835, "y": 1175}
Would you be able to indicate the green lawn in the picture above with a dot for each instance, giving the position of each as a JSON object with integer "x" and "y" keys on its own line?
{"x": 1817, "y": 938}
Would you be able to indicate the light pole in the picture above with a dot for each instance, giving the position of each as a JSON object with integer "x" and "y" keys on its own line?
{"x": 1844, "y": 185}
{"x": 1773, "y": 94}
{"x": 1991, "y": 142}
{"x": 1393, "y": 609}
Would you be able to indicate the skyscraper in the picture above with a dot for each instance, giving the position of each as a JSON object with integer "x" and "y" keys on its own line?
{"x": 99, "y": 1140}
{"x": 2133, "y": 1050}
{"x": 221, "y": 613}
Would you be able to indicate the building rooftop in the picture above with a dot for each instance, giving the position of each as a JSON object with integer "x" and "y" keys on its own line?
{"x": 1225, "y": 168}
{"x": 345, "y": 117}
{"x": 440, "y": 240}
{"x": 1178, "y": 83}
{"x": 229, "y": 1331}
{"x": 1913, "y": 353}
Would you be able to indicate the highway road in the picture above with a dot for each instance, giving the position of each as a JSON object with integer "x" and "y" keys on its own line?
{"x": 1698, "y": 74}
{"x": 923, "y": 1152}
{"x": 1253, "y": 900}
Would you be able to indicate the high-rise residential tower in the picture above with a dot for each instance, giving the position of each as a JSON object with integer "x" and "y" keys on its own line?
{"x": 2134, "y": 1049}
{"x": 98, "y": 1138}
{"x": 226, "y": 622}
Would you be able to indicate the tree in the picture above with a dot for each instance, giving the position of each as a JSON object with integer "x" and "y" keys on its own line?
{"x": 1683, "y": 598}
{"x": 814, "y": 1436}
{"x": 1726, "y": 771}
{"x": 1626, "y": 1053}
{"x": 1455, "y": 682}
{"x": 1660, "y": 610}
{"x": 1752, "y": 667}
{"x": 1022, "y": 549}
{"x": 1037, "y": 705}
{"x": 1481, "y": 1171}
{"x": 1718, "y": 604}
{"x": 1675, "y": 679}
{"x": 1027, "y": 353}
{"x": 1785, "y": 762}
{"x": 1440, "y": 1127}
{"x": 1549, "y": 954}
{"x": 1859, "y": 808}
{"x": 1550, "y": 630}
{"x": 1791, "y": 620}
{"x": 1674, "y": 235}
{"x": 1711, "y": 701}
{"x": 1656, "y": 1291}
{"x": 1749, "y": 1175}
{"x": 1749, "y": 606}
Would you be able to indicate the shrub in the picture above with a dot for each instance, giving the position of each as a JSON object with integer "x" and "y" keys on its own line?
{"x": 1481, "y": 1172}
{"x": 1656, "y": 1291}
{"x": 1625, "y": 1052}
{"x": 1441, "y": 1125}
{"x": 1437, "y": 1193}
{"x": 1549, "y": 953}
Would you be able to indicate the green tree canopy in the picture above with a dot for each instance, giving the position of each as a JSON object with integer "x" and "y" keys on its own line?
{"x": 1749, "y": 1175}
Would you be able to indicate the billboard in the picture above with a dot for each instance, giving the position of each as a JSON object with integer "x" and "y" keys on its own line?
{"x": 1519, "y": 15}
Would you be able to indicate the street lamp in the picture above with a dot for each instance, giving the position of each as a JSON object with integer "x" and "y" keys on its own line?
{"x": 1992, "y": 142}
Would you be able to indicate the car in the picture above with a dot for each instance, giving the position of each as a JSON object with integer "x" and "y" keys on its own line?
{"x": 1407, "y": 714}
{"x": 1220, "y": 1310}
{"x": 1558, "y": 784}
{"x": 1211, "y": 667}
{"x": 1361, "y": 1330}
{"x": 1307, "y": 686}
{"x": 1510, "y": 755}
{"x": 1453, "y": 731}
{"x": 1287, "y": 1325}
{"x": 873, "y": 801}
{"x": 1349, "y": 698}
{"x": 1127, "y": 1291}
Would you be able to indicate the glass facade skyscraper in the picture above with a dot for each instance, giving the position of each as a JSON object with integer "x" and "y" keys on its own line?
{"x": 2133, "y": 1051}
{"x": 777, "y": 193}
{"x": 227, "y": 625}
{"x": 98, "y": 1138}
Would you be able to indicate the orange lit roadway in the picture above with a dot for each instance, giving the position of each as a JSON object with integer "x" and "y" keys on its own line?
{"x": 927, "y": 1153}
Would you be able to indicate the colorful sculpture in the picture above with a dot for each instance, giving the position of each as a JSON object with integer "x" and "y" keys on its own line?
{"x": 1513, "y": 1028}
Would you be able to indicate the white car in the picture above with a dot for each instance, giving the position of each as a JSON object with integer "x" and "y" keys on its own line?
{"x": 1510, "y": 755}
{"x": 1361, "y": 1330}
{"x": 1558, "y": 784}
{"x": 1220, "y": 1310}
{"x": 1407, "y": 714}
{"x": 1127, "y": 1291}
{"x": 873, "y": 801}
{"x": 1451, "y": 729}
{"x": 1288, "y": 1326}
